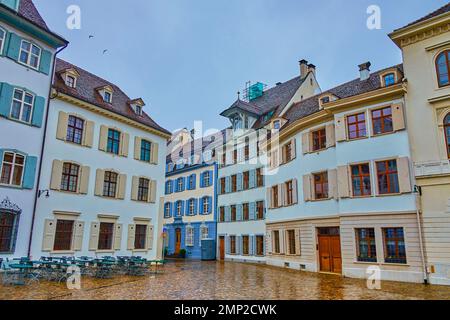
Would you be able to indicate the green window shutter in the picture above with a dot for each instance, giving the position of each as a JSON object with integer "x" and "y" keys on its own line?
{"x": 38, "y": 111}
{"x": 30, "y": 172}
{"x": 6, "y": 93}
{"x": 1, "y": 157}
{"x": 46, "y": 60}
{"x": 14, "y": 46}
{"x": 5, "y": 44}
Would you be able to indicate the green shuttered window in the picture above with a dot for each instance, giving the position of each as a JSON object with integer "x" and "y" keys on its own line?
{"x": 17, "y": 169}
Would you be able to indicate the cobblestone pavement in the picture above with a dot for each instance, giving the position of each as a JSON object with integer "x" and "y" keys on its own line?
{"x": 226, "y": 281}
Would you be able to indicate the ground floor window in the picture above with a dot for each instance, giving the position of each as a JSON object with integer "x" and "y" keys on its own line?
{"x": 189, "y": 236}
{"x": 365, "y": 245}
{"x": 394, "y": 245}
{"x": 245, "y": 245}
{"x": 7, "y": 222}
{"x": 232, "y": 244}
{"x": 63, "y": 235}
{"x": 259, "y": 245}
{"x": 291, "y": 241}
{"x": 276, "y": 241}
{"x": 140, "y": 236}
{"x": 203, "y": 233}
{"x": 105, "y": 237}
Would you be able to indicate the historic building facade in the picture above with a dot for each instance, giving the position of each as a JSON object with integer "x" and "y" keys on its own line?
{"x": 104, "y": 172}
{"x": 27, "y": 52}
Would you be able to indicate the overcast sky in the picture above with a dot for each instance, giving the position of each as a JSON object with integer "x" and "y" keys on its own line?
{"x": 188, "y": 58}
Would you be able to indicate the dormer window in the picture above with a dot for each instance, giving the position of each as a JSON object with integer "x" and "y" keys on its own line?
{"x": 106, "y": 92}
{"x": 107, "y": 97}
{"x": 325, "y": 99}
{"x": 70, "y": 81}
{"x": 389, "y": 79}
{"x": 138, "y": 110}
{"x": 277, "y": 125}
{"x": 137, "y": 106}
{"x": 70, "y": 77}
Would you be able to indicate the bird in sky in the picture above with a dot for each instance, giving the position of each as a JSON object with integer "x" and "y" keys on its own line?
{"x": 91, "y": 36}
{"x": 105, "y": 51}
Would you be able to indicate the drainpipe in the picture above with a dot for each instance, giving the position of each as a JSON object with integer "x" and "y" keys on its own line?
{"x": 419, "y": 225}
{"x": 38, "y": 182}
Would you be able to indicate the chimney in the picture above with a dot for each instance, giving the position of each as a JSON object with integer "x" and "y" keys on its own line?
{"x": 364, "y": 70}
{"x": 312, "y": 68}
{"x": 303, "y": 68}
{"x": 193, "y": 133}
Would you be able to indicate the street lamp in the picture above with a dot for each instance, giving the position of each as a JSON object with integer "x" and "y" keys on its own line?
{"x": 41, "y": 192}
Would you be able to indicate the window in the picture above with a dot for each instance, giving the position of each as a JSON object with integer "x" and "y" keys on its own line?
{"x": 289, "y": 193}
{"x": 205, "y": 204}
{"x": 105, "y": 236}
{"x": 389, "y": 79}
{"x": 235, "y": 156}
{"x": 110, "y": 184}
{"x": 277, "y": 125}
{"x": 320, "y": 185}
{"x": 70, "y": 81}
{"x": 387, "y": 177}
{"x": 319, "y": 139}
{"x": 442, "y": 68}
{"x": 234, "y": 183}
{"x": 113, "y": 141}
{"x": 75, "y": 128}
{"x": 167, "y": 210}
{"x": 12, "y": 169}
{"x": 143, "y": 189}
{"x": 382, "y": 121}
{"x": 247, "y": 149}
{"x": 245, "y": 245}
{"x": 146, "y": 148}
{"x": 233, "y": 245}
{"x": 22, "y": 105}
{"x": 259, "y": 245}
{"x": 276, "y": 241}
{"x": 191, "y": 207}
{"x": 224, "y": 159}
{"x": 275, "y": 196}
{"x": 233, "y": 213}
{"x": 7, "y": 224}
{"x": 287, "y": 151}
{"x": 63, "y": 235}
{"x": 107, "y": 97}
{"x": 246, "y": 178}
{"x": 204, "y": 233}
{"x": 222, "y": 214}
{"x": 356, "y": 125}
{"x": 179, "y": 208}
{"x": 365, "y": 245}
{"x": 325, "y": 100}
{"x": 260, "y": 210}
{"x": 291, "y": 241}
{"x": 138, "y": 110}
{"x": 2, "y": 39}
{"x": 447, "y": 133}
{"x": 30, "y": 54}
{"x": 206, "y": 176}
{"x": 180, "y": 184}
{"x": 394, "y": 245}
{"x": 245, "y": 212}
{"x": 140, "y": 236}
{"x": 169, "y": 185}
{"x": 222, "y": 185}
{"x": 259, "y": 178}
{"x": 361, "y": 180}
{"x": 69, "y": 179}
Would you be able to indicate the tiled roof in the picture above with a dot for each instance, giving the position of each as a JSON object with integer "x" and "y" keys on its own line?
{"x": 356, "y": 87}
{"x": 86, "y": 91}
{"x": 28, "y": 11}
{"x": 436, "y": 13}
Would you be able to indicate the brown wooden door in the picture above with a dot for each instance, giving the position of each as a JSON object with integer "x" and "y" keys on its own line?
{"x": 329, "y": 246}
{"x": 222, "y": 248}
{"x": 177, "y": 240}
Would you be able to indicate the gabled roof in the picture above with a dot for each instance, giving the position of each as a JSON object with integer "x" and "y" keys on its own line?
{"x": 86, "y": 91}
{"x": 353, "y": 88}
{"x": 436, "y": 13}
{"x": 28, "y": 11}
{"x": 242, "y": 105}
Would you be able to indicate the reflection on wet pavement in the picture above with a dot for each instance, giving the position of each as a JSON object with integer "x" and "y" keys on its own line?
{"x": 226, "y": 281}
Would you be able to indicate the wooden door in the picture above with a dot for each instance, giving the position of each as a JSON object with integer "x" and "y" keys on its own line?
{"x": 177, "y": 240}
{"x": 329, "y": 247}
{"x": 222, "y": 248}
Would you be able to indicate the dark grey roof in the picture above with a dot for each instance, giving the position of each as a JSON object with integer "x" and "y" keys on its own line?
{"x": 436, "y": 13}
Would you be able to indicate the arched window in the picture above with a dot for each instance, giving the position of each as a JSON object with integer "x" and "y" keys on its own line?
{"x": 447, "y": 133}
{"x": 443, "y": 68}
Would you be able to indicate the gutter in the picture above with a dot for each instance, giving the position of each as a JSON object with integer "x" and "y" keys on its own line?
{"x": 38, "y": 182}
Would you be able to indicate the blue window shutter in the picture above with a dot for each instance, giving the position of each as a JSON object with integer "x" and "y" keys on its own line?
{"x": 202, "y": 185}
{"x": 175, "y": 188}
{"x": 240, "y": 182}
{"x": 187, "y": 207}
{"x": 46, "y": 61}
{"x": 252, "y": 179}
{"x": 194, "y": 181}
{"x": 182, "y": 207}
{"x": 14, "y": 46}
{"x": 252, "y": 210}
{"x": 174, "y": 209}
{"x": 30, "y": 172}
{"x": 195, "y": 206}
{"x": 210, "y": 204}
{"x": 6, "y": 93}
{"x": 1, "y": 157}
{"x": 38, "y": 111}
{"x": 239, "y": 210}
{"x": 200, "y": 209}
{"x": 211, "y": 178}
{"x": 170, "y": 209}
{"x": 183, "y": 184}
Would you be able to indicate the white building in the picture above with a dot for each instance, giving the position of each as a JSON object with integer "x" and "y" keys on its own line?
{"x": 104, "y": 168}
{"x": 27, "y": 51}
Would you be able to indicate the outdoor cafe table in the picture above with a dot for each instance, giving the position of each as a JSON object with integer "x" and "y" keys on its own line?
{"x": 24, "y": 271}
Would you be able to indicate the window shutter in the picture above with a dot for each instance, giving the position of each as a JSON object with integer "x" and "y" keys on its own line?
{"x": 124, "y": 144}
{"x": 227, "y": 184}
{"x": 341, "y": 129}
{"x": 186, "y": 213}
{"x": 88, "y": 137}
{"x": 240, "y": 182}
{"x": 293, "y": 149}
{"x": 307, "y": 188}
{"x": 182, "y": 208}
{"x": 93, "y": 237}
{"x": 343, "y": 181}
{"x": 269, "y": 197}
{"x": 55, "y": 181}
{"x": 99, "y": 181}
{"x": 252, "y": 244}
{"x": 280, "y": 195}
{"x": 6, "y": 94}
{"x": 227, "y": 245}
{"x": 46, "y": 60}
{"x": 295, "y": 191}
{"x": 200, "y": 206}
{"x": 137, "y": 148}
{"x": 282, "y": 241}
{"x": 201, "y": 180}
{"x": 14, "y": 46}
{"x": 30, "y": 172}
{"x": 150, "y": 236}
{"x": 227, "y": 214}
{"x": 131, "y": 236}
{"x": 103, "y": 138}
{"x": 252, "y": 179}
{"x": 38, "y": 111}
{"x": 61, "y": 131}
{"x": 330, "y": 135}
{"x": 404, "y": 176}
{"x": 194, "y": 178}
{"x": 195, "y": 206}
{"x": 332, "y": 184}
{"x": 134, "y": 188}
{"x": 238, "y": 245}
{"x": 84, "y": 180}
{"x": 305, "y": 142}
{"x": 268, "y": 246}
{"x": 297, "y": 242}
{"x": 78, "y": 236}
{"x": 122, "y": 185}
{"x": 398, "y": 117}
{"x": 117, "y": 236}
{"x": 210, "y": 177}
{"x": 284, "y": 193}
{"x": 252, "y": 210}
{"x": 1, "y": 157}
{"x": 152, "y": 191}
{"x": 239, "y": 209}
{"x": 154, "y": 153}
{"x": 210, "y": 204}
{"x": 49, "y": 235}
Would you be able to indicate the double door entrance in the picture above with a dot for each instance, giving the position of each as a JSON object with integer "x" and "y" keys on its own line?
{"x": 329, "y": 249}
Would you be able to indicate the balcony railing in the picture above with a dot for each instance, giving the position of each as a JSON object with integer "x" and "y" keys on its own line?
{"x": 432, "y": 168}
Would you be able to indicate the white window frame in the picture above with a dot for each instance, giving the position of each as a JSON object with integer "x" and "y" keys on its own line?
{"x": 205, "y": 205}
{"x": 2, "y": 45}
{"x": 204, "y": 233}
{"x": 191, "y": 206}
{"x": 73, "y": 83}
{"x": 169, "y": 187}
{"x": 30, "y": 53}
{"x": 13, "y": 166}
{"x": 179, "y": 208}
{"x": 22, "y": 104}
{"x": 110, "y": 97}
{"x": 189, "y": 236}
{"x": 180, "y": 184}
{"x": 167, "y": 210}
{"x": 206, "y": 179}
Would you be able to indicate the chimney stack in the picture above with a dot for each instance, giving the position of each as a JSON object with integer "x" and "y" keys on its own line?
{"x": 303, "y": 68}
{"x": 312, "y": 68}
{"x": 364, "y": 71}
